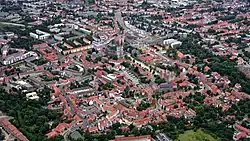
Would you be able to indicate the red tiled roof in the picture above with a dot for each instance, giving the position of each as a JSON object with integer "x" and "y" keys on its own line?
{"x": 51, "y": 134}
{"x": 61, "y": 127}
{"x": 77, "y": 118}
{"x": 241, "y": 128}
{"x": 4, "y": 121}
{"x": 41, "y": 45}
{"x": 133, "y": 138}
{"x": 240, "y": 135}
{"x": 93, "y": 129}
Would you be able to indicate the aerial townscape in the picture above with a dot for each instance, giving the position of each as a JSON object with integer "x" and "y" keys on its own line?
{"x": 124, "y": 70}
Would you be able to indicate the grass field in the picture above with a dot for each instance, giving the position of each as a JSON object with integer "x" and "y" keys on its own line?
{"x": 199, "y": 135}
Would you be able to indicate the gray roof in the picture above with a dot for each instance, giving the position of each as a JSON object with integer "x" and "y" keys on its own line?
{"x": 165, "y": 85}
{"x": 3, "y": 14}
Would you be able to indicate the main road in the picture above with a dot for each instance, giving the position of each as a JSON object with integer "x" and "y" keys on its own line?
{"x": 118, "y": 16}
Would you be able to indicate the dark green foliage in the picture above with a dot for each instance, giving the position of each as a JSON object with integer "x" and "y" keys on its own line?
{"x": 197, "y": 98}
{"x": 125, "y": 64}
{"x": 25, "y": 43}
{"x": 40, "y": 61}
{"x": 29, "y": 116}
{"x": 240, "y": 109}
{"x": 108, "y": 86}
{"x": 143, "y": 106}
{"x": 159, "y": 80}
{"x": 76, "y": 84}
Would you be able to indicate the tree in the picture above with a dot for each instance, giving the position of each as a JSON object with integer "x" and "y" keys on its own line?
{"x": 29, "y": 116}
{"x": 108, "y": 86}
{"x": 159, "y": 80}
{"x": 125, "y": 64}
{"x": 143, "y": 106}
{"x": 89, "y": 52}
{"x": 114, "y": 56}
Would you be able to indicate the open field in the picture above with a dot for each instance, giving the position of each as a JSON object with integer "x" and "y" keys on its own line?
{"x": 199, "y": 135}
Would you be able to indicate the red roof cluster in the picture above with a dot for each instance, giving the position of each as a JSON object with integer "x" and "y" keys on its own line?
{"x": 47, "y": 52}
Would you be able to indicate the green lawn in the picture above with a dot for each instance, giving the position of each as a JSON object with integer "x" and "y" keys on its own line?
{"x": 199, "y": 135}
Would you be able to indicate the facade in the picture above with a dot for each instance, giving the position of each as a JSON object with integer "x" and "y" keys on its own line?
{"x": 19, "y": 57}
{"x": 32, "y": 96}
{"x": 78, "y": 49}
{"x": 41, "y": 35}
{"x": 135, "y": 138}
{"x": 172, "y": 42}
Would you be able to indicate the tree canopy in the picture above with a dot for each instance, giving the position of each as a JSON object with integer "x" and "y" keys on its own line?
{"x": 30, "y": 116}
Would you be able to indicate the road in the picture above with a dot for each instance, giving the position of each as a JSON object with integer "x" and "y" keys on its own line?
{"x": 146, "y": 40}
{"x": 70, "y": 104}
{"x": 118, "y": 16}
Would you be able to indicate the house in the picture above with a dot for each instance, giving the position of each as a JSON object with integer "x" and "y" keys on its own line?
{"x": 3, "y": 79}
{"x": 141, "y": 122}
{"x": 241, "y": 128}
{"x": 51, "y": 134}
{"x": 180, "y": 54}
{"x": 113, "y": 114}
{"x": 239, "y": 135}
{"x": 102, "y": 125}
{"x": 243, "y": 132}
{"x": 60, "y": 128}
{"x": 237, "y": 86}
{"x": 93, "y": 129}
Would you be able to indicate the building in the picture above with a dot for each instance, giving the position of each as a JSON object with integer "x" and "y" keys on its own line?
{"x": 135, "y": 138}
{"x": 19, "y": 57}
{"x": 119, "y": 48}
{"x": 48, "y": 53}
{"x": 172, "y": 42}
{"x": 32, "y": 96}
{"x": 78, "y": 49}
{"x": 81, "y": 92}
{"x": 242, "y": 132}
{"x": 10, "y": 128}
{"x": 41, "y": 35}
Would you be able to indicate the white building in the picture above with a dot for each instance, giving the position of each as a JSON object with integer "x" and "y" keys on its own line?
{"x": 41, "y": 35}
{"x": 172, "y": 42}
{"x": 32, "y": 96}
{"x": 18, "y": 57}
{"x": 33, "y": 35}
